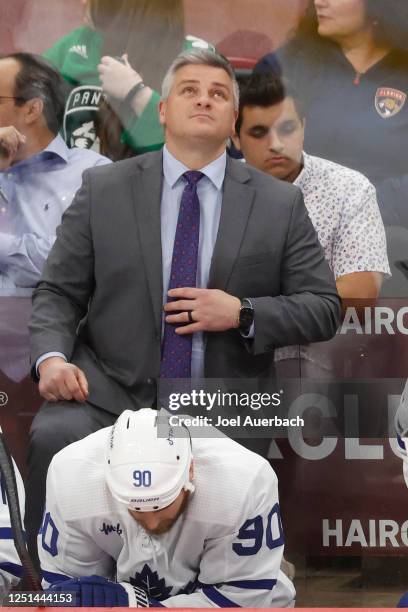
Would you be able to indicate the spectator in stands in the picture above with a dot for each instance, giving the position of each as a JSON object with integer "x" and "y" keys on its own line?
{"x": 146, "y": 33}
{"x": 38, "y": 173}
{"x": 349, "y": 61}
{"x": 341, "y": 202}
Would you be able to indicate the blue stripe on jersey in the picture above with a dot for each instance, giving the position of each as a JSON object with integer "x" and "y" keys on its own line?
{"x": 215, "y": 596}
{"x": 401, "y": 444}
{"x": 6, "y": 533}
{"x": 52, "y": 577}
{"x": 12, "y": 568}
{"x": 253, "y": 584}
{"x": 153, "y": 603}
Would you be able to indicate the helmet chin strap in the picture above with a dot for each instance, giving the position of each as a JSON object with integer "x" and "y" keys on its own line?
{"x": 189, "y": 487}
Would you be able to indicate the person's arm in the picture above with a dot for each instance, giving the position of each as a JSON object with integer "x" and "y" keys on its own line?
{"x": 139, "y": 112}
{"x": 23, "y": 257}
{"x": 359, "y": 286}
{"x": 61, "y": 298}
{"x": 308, "y": 308}
{"x": 65, "y": 549}
{"x": 359, "y": 257}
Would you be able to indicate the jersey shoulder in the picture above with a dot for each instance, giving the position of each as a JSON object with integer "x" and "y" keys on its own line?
{"x": 231, "y": 482}
{"x": 76, "y": 478}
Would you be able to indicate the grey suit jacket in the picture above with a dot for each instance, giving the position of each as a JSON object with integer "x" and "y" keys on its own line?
{"x": 100, "y": 298}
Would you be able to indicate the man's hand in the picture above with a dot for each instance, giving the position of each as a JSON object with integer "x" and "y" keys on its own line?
{"x": 212, "y": 310}
{"x": 11, "y": 140}
{"x": 60, "y": 380}
{"x": 117, "y": 78}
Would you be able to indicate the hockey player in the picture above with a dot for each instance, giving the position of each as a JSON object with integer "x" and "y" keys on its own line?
{"x": 401, "y": 425}
{"x": 180, "y": 522}
{"x": 10, "y": 566}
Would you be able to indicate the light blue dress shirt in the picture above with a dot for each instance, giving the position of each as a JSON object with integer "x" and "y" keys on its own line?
{"x": 209, "y": 191}
{"x": 34, "y": 193}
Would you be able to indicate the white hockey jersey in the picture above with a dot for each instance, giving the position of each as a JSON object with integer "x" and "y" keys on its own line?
{"x": 225, "y": 550}
{"x": 401, "y": 426}
{"x": 10, "y": 566}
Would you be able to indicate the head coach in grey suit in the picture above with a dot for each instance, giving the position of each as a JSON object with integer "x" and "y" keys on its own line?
{"x": 102, "y": 307}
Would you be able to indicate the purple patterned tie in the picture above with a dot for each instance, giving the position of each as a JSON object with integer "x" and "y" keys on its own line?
{"x": 176, "y": 350}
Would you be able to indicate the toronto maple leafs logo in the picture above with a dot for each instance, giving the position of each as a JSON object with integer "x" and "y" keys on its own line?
{"x": 151, "y": 582}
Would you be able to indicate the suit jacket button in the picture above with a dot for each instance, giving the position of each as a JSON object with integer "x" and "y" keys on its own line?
{"x": 150, "y": 381}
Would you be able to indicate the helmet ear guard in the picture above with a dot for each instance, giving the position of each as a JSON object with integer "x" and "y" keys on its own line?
{"x": 146, "y": 472}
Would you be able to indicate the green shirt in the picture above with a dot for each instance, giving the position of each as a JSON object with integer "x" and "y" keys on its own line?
{"x": 77, "y": 56}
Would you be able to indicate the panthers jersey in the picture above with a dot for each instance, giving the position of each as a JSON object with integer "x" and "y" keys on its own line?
{"x": 224, "y": 550}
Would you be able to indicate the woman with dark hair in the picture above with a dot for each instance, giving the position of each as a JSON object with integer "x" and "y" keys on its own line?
{"x": 117, "y": 35}
{"x": 349, "y": 62}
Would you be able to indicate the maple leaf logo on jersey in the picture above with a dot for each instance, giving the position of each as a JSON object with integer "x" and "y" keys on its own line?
{"x": 150, "y": 581}
{"x": 389, "y": 101}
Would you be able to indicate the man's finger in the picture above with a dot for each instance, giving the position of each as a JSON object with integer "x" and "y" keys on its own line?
{"x": 189, "y": 329}
{"x": 185, "y": 292}
{"x": 181, "y": 317}
{"x": 181, "y": 305}
{"x": 82, "y": 382}
{"x": 74, "y": 388}
{"x": 65, "y": 391}
{"x": 50, "y": 397}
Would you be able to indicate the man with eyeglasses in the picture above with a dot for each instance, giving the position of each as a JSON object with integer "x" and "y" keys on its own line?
{"x": 38, "y": 173}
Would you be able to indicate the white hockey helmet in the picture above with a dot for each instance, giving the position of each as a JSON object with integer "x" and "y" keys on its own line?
{"x": 145, "y": 472}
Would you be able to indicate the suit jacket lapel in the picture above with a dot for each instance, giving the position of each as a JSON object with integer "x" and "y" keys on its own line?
{"x": 237, "y": 203}
{"x": 147, "y": 186}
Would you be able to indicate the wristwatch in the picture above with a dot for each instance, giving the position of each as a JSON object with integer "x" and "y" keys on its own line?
{"x": 246, "y": 316}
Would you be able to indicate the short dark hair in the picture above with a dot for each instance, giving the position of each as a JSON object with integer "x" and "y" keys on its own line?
{"x": 267, "y": 90}
{"x": 389, "y": 20}
{"x": 38, "y": 79}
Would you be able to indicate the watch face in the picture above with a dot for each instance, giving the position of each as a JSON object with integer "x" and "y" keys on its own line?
{"x": 246, "y": 317}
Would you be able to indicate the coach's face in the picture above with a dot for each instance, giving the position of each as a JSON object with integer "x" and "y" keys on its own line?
{"x": 271, "y": 139}
{"x": 200, "y": 106}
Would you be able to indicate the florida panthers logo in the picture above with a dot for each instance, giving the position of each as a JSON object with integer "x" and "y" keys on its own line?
{"x": 389, "y": 101}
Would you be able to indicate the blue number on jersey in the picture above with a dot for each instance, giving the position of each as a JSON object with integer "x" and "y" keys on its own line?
{"x": 49, "y": 525}
{"x": 253, "y": 529}
{"x": 274, "y": 527}
{"x": 142, "y": 479}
